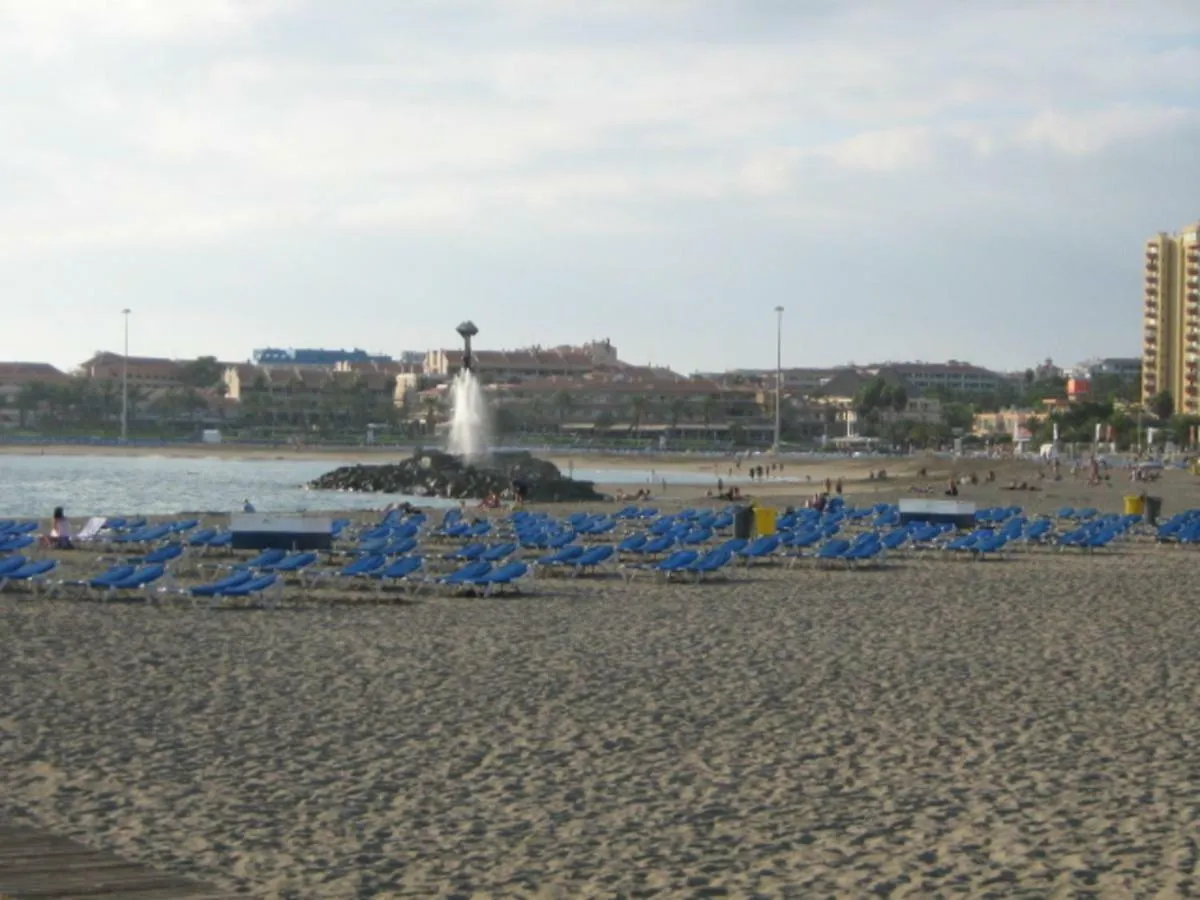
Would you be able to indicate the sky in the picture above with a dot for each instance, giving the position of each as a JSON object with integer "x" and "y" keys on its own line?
{"x": 916, "y": 180}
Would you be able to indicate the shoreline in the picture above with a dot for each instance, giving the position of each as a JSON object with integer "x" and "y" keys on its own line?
{"x": 717, "y": 466}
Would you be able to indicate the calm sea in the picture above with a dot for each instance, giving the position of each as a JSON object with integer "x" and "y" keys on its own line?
{"x": 31, "y": 486}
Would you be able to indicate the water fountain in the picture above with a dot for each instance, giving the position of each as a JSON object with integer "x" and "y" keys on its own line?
{"x": 469, "y": 422}
{"x": 470, "y": 470}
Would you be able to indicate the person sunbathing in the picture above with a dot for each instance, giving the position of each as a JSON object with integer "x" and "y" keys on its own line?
{"x": 60, "y": 532}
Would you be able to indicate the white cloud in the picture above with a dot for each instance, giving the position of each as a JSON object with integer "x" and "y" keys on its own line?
{"x": 1092, "y": 132}
{"x": 53, "y": 29}
{"x": 382, "y": 116}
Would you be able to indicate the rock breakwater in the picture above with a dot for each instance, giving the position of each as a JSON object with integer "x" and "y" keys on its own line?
{"x": 431, "y": 473}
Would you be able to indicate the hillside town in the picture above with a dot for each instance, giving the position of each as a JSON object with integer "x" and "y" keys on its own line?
{"x": 576, "y": 393}
{"x": 588, "y": 393}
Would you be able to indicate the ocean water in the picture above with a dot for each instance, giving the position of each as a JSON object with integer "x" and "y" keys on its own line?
{"x": 32, "y": 486}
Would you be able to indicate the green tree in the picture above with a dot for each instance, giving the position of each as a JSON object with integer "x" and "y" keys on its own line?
{"x": 870, "y": 400}
{"x": 958, "y": 416}
{"x": 605, "y": 420}
{"x": 204, "y": 372}
{"x": 563, "y": 404}
{"x": 505, "y": 420}
{"x": 29, "y": 399}
{"x": 431, "y": 414}
{"x": 1162, "y": 405}
{"x": 638, "y": 406}
{"x": 675, "y": 411}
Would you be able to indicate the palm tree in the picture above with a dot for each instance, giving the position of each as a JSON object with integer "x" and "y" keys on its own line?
{"x": 431, "y": 413}
{"x": 708, "y": 409}
{"x": 637, "y": 411}
{"x": 136, "y": 395}
{"x": 537, "y": 412}
{"x": 28, "y": 399}
{"x": 675, "y": 411}
{"x": 563, "y": 403}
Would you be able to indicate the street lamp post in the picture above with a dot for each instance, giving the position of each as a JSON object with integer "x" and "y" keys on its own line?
{"x": 125, "y": 382}
{"x": 778, "y": 375}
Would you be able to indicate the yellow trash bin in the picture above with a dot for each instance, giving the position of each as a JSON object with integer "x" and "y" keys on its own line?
{"x": 764, "y": 520}
{"x": 1135, "y": 505}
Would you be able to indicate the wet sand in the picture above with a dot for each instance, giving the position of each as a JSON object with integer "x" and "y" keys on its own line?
{"x": 1024, "y": 726}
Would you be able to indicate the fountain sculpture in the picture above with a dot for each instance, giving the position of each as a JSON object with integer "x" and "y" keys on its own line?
{"x": 469, "y": 425}
{"x": 470, "y": 469}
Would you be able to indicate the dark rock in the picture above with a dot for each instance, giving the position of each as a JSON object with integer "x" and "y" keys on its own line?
{"x": 431, "y": 473}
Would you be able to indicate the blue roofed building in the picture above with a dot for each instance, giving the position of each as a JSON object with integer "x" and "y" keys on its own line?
{"x": 274, "y": 356}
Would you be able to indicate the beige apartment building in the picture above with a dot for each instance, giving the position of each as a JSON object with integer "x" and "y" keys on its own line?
{"x": 148, "y": 372}
{"x": 1171, "y": 330}
{"x": 507, "y": 366}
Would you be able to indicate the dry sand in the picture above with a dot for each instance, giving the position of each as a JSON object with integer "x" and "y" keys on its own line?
{"x": 1021, "y": 727}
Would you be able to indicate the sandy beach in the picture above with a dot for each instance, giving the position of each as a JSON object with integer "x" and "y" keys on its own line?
{"x": 1018, "y": 727}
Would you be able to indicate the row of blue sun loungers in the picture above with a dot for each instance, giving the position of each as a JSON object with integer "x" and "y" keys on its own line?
{"x": 692, "y": 544}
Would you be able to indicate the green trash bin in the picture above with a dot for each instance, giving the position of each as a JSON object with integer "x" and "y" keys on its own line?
{"x": 743, "y": 523}
{"x": 1153, "y": 510}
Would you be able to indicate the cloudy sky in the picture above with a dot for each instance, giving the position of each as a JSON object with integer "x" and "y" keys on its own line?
{"x": 911, "y": 180}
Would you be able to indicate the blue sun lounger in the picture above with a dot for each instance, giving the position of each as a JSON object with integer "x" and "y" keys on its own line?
{"x": 497, "y": 580}
{"x": 164, "y": 554}
{"x": 265, "y": 559}
{"x": 31, "y": 573}
{"x": 709, "y": 564}
{"x": 259, "y": 584}
{"x": 562, "y": 557}
{"x": 404, "y": 571}
{"x": 214, "y": 589}
{"x": 457, "y": 579}
{"x": 591, "y": 559}
{"x": 632, "y": 544}
{"x": 12, "y": 542}
{"x": 467, "y": 553}
{"x": 101, "y": 581}
{"x": 680, "y": 559}
{"x": 139, "y": 580}
{"x": 361, "y": 567}
{"x": 297, "y": 562}
{"x": 498, "y": 552}
{"x": 202, "y": 537}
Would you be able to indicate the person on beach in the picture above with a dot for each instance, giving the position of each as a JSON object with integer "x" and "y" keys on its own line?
{"x": 247, "y": 506}
{"x": 60, "y": 531}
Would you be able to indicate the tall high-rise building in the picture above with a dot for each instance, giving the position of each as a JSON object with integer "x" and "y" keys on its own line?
{"x": 1171, "y": 339}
